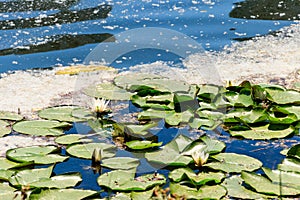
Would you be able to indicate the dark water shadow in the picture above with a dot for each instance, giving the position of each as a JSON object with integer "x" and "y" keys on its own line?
{"x": 267, "y": 10}
{"x": 62, "y": 17}
{"x": 35, "y": 5}
{"x": 59, "y": 42}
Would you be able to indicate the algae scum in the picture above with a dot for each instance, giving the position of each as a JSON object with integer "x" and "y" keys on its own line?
{"x": 182, "y": 141}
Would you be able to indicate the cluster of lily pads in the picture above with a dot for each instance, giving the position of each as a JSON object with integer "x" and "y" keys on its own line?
{"x": 197, "y": 168}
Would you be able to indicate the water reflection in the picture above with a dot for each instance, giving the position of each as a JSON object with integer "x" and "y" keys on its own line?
{"x": 59, "y": 42}
{"x": 33, "y": 5}
{"x": 62, "y": 17}
{"x": 267, "y": 9}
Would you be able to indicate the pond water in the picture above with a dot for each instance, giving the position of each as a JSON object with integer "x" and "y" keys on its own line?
{"x": 45, "y": 42}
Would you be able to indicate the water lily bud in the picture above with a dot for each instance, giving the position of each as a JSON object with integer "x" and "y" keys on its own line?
{"x": 97, "y": 156}
{"x": 200, "y": 157}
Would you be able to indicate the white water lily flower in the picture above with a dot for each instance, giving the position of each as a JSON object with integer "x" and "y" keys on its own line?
{"x": 100, "y": 105}
{"x": 200, "y": 157}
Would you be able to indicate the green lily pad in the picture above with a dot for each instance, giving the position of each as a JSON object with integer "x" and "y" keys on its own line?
{"x": 171, "y": 153}
{"x": 8, "y": 192}
{"x": 71, "y": 139}
{"x": 283, "y": 96}
{"x": 133, "y": 81}
{"x": 202, "y": 123}
{"x": 86, "y": 150}
{"x": 290, "y": 165}
{"x": 4, "y": 128}
{"x": 179, "y": 117}
{"x": 74, "y": 194}
{"x": 6, "y": 174}
{"x": 144, "y": 144}
{"x": 289, "y": 119}
{"x": 83, "y": 114}
{"x": 139, "y": 129}
{"x": 248, "y": 116}
{"x": 205, "y": 192}
{"x": 289, "y": 179}
{"x": 28, "y": 176}
{"x": 289, "y": 110}
{"x": 209, "y": 92}
{"x": 10, "y": 116}
{"x": 62, "y": 113}
{"x": 58, "y": 181}
{"x": 294, "y": 151}
{"x": 234, "y": 163}
{"x": 6, "y": 164}
{"x": 120, "y": 163}
{"x": 107, "y": 91}
{"x": 201, "y": 178}
{"x": 264, "y": 185}
{"x": 41, "y": 127}
{"x": 155, "y": 114}
{"x": 125, "y": 180}
{"x": 144, "y": 195}
{"x": 262, "y": 132}
{"x": 235, "y": 189}
{"x": 37, "y": 154}
{"x": 241, "y": 99}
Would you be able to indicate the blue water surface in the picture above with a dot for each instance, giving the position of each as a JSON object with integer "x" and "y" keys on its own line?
{"x": 206, "y": 21}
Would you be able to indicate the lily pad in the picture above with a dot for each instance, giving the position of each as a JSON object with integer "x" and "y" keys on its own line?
{"x": 8, "y": 192}
{"x": 294, "y": 151}
{"x": 290, "y": 164}
{"x": 37, "y": 154}
{"x": 179, "y": 117}
{"x": 10, "y": 116}
{"x": 202, "y": 123}
{"x": 83, "y": 113}
{"x": 120, "y": 163}
{"x": 241, "y": 99}
{"x": 71, "y": 139}
{"x": 137, "y": 129}
{"x": 41, "y": 127}
{"x": 283, "y": 96}
{"x": 289, "y": 110}
{"x": 62, "y": 113}
{"x": 144, "y": 144}
{"x": 262, "y": 132}
{"x": 234, "y": 163}
{"x": 74, "y": 194}
{"x": 201, "y": 178}
{"x": 6, "y": 164}
{"x": 151, "y": 114}
{"x": 159, "y": 83}
{"x": 4, "y": 128}
{"x": 289, "y": 179}
{"x": 264, "y": 185}
{"x": 248, "y": 116}
{"x": 107, "y": 91}
{"x": 205, "y": 192}
{"x": 172, "y": 153}
{"x": 86, "y": 150}
{"x": 28, "y": 176}
{"x": 235, "y": 189}
{"x": 125, "y": 180}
